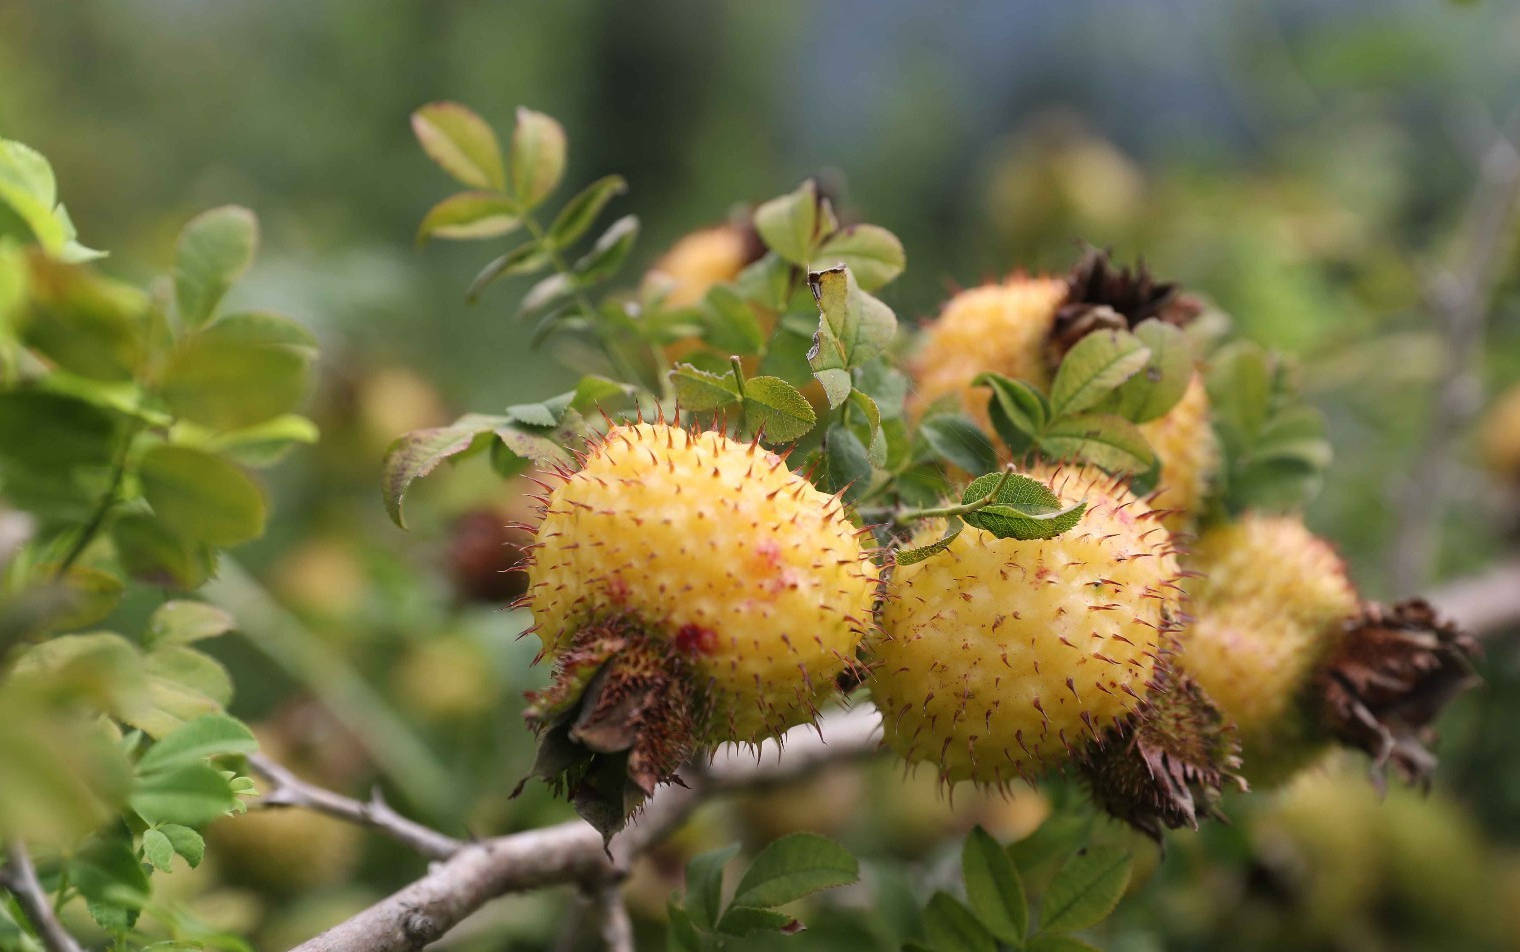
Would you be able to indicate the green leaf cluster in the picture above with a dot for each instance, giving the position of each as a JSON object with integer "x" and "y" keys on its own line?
{"x": 789, "y": 869}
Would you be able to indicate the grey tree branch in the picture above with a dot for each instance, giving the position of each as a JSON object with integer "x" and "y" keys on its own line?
{"x": 291, "y": 791}
{"x": 573, "y": 852}
{"x": 20, "y": 877}
{"x": 1484, "y": 604}
{"x": 1459, "y": 296}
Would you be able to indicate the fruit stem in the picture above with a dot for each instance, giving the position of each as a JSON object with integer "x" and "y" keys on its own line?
{"x": 960, "y": 509}
{"x": 738, "y": 368}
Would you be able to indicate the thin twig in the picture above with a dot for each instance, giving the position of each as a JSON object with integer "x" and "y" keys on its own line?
{"x": 613, "y": 923}
{"x": 1483, "y": 604}
{"x": 1459, "y": 297}
{"x": 573, "y": 852}
{"x": 20, "y": 877}
{"x": 291, "y": 791}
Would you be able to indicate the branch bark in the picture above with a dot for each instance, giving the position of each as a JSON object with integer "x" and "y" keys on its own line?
{"x": 291, "y": 791}
{"x": 573, "y": 852}
{"x": 20, "y": 877}
{"x": 1484, "y": 604}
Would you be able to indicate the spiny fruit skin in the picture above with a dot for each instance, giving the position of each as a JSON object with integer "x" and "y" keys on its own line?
{"x": 999, "y": 328}
{"x": 997, "y": 657}
{"x": 1184, "y": 442}
{"x": 702, "y": 259}
{"x": 737, "y": 566}
{"x": 1269, "y": 603}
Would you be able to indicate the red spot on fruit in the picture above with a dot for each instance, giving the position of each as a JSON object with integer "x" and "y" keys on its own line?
{"x": 694, "y": 639}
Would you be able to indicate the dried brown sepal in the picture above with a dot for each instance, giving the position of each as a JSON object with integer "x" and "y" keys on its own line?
{"x": 1102, "y": 295}
{"x": 1391, "y": 674}
{"x": 1166, "y": 765}
{"x": 621, "y": 715}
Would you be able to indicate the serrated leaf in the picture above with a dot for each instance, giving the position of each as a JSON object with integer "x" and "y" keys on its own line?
{"x": 1111, "y": 442}
{"x": 1091, "y": 370}
{"x": 420, "y": 452}
{"x": 958, "y": 440}
{"x": 200, "y": 496}
{"x": 747, "y": 920}
{"x": 158, "y": 850}
{"x": 189, "y": 795}
{"x": 470, "y": 215}
{"x": 538, "y": 156}
{"x": 853, "y": 327}
{"x": 609, "y": 252}
{"x": 704, "y": 885}
{"x": 701, "y": 391}
{"x": 1023, "y": 508}
{"x": 953, "y": 527}
{"x": 185, "y": 841}
{"x": 461, "y": 143}
{"x": 874, "y": 255}
{"x": 849, "y": 462}
{"x": 778, "y": 409}
{"x": 1086, "y": 889}
{"x": 788, "y": 224}
{"x": 1158, "y": 385}
{"x": 993, "y": 887}
{"x": 794, "y": 866}
{"x": 214, "y": 249}
{"x": 951, "y": 927}
{"x": 185, "y": 622}
{"x": 212, "y": 735}
{"x": 524, "y": 259}
{"x": 581, "y": 211}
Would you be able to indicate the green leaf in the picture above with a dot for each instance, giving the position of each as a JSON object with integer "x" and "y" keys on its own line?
{"x": 48, "y": 433}
{"x": 680, "y": 934}
{"x": 700, "y": 391}
{"x": 1092, "y": 369}
{"x": 951, "y": 927}
{"x": 152, "y": 552}
{"x": 765, "y": 281}
{"x": 189, "y": 795}
{"x": 884, "y": 384}
{"x": 1024, "y": 508}
{"x": 470, "y": 215}
{"x": 1239, "y": 382}
{"x": 1157, "y": 387}
{"x": 853, "y": 327}
{"x": 215, "y": 248}
{"x": 778, "y": 409}
{"x": 182, "y": 684}
{"x": 581, "y": 211}
{"x": 241, "y": 370}
{"x": 546, "y": 292}
{"x": 185, "y": 622}
{"x": 28, "y": 187}
{"x": 86, "y": 323}
{"x": 788, "y": 224}
{"x": 107, "y": 874}
{"x": 420, "y": 452}
{"x": 747, "y": 920}
{"x": 869, "y": 430}
{"x": 794, "y": 866}
{"x": 265, "y": 443}
{"x": 1105, "y": 440}
{"x": 849, "y": 462}
{"x": 1058, "y": 943}
{"x": 953, "y": 527}
{"x": 213, "y": 735}
{"x": 158, "y": 850}
{"x": 1086, "y": 889}
{"x": 538, "y": 156}
{"x": 993, "y": 887}
{"x": 731, "y": 324}
{"x": 873, "y": 254}
{"x": 202, "y": 497}
{"x": 704, "y": 885}
{"x": 186, "y": 842}
{"x": 524, "y": 259}
{"x": 959, "y": 440}
{"x": 609, "y": 252}
{"x": 461, "y": 143}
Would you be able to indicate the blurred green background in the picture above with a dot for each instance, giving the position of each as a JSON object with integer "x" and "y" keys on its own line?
{"x": 1306, "y": 163}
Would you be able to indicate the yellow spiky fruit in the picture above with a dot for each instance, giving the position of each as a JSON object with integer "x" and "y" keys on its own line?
{"x": 999, "y": 657}
{"x": 1001, "y": 328}
{"x": 1269, "y": 604}
{"x": 722, "y": 557}
{"x": 700, "y": 260}
{"x": 1184, "y": 442}
{"x": 1500, "y": 436}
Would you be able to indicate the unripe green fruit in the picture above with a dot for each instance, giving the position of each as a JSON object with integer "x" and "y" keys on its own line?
{"x": 723, "y": 558}
{"x": 1001, "y": 328}
{"x": 1269, "y": 603}
{"x": 1000, "y": 657}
